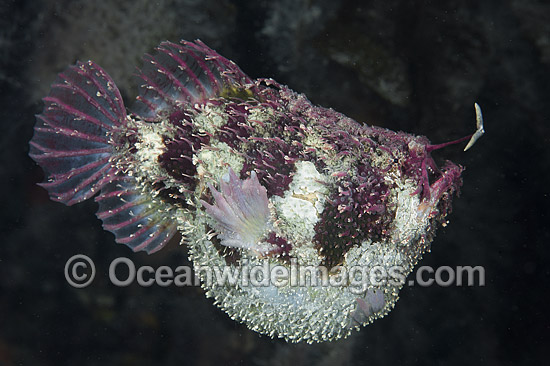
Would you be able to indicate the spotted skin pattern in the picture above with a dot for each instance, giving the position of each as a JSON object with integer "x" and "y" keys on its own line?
{"x": 254, "y": 176}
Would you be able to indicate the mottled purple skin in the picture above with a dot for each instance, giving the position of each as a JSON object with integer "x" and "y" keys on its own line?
{"x": 245, "y": 169}
{"x": 86, "y": 143}
{"x": 271, "y": 157}
{"x": 177, "y": 160}
{"x": 358, "y": 207}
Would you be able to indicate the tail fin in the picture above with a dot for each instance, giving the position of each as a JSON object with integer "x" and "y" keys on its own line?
{"x": 72, "y": 143}
{"x": 71, "y": 138}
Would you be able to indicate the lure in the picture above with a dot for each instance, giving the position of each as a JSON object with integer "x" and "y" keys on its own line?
{"x": 300, "y": 222}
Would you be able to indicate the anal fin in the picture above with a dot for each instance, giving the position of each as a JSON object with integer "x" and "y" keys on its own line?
{"x": 136, "y": 219}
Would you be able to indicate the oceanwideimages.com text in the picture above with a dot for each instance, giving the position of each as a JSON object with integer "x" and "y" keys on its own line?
{"x": 80, "y": 272}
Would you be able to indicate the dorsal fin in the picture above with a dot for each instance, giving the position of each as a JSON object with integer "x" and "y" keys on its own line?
{"x": 183, "y": 75}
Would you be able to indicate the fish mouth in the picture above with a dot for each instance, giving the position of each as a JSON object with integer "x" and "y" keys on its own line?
{"x": 445, "y": 179}
{"x": 435, "y": 197}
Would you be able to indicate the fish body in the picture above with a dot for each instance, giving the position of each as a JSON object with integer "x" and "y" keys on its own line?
{"x": 257, "y": 179}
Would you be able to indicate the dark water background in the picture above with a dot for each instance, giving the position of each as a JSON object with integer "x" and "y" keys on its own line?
{"x": 417, "y": 66}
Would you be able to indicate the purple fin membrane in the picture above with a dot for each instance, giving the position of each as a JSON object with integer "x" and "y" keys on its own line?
{"x": 72, "y": 143}
{"x": 182, "y": 75}
{"x": 71, "y": 137}
{"x": 241, "y": 211}
{"x": 136, "y": 220}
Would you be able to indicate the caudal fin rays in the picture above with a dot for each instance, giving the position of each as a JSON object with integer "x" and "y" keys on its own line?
{"x": 71, "y": 139}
